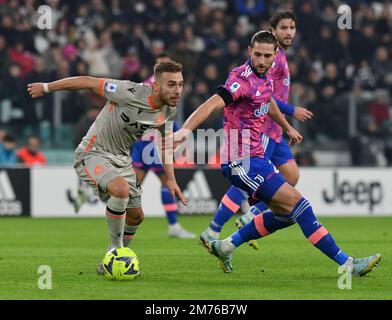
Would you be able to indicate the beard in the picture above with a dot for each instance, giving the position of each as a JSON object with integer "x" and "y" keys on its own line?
{"x": 168, "y": 100}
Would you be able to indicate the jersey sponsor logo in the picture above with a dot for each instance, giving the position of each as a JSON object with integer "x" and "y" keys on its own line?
{"x": 247, "y": 72}
{"x": 8, "y": 203}
{"x": 136, "y": 128}
{"x": 234, "y": 87}
{"x": 110, "y": 87}
{"x": 264, "y": 107}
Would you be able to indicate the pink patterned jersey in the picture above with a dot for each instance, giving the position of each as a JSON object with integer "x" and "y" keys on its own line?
{"x": 280, "y": 75}
{"x": 245, "y": 116}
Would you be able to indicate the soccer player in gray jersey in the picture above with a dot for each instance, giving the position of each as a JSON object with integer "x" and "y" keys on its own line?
{"x": 102, "y": 158}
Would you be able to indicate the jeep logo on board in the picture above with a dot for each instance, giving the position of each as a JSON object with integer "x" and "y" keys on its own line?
{"x": 359, "y": 192}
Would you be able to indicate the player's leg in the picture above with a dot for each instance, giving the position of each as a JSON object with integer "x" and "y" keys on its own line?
{"x": 289, "y": 203}
{"x": 282, "y": 158}
{"x": 134, "y": 217}
{"x": 297, "y": 209}
{"x": 106, "y": 181}
{"x": 170, "y": 206}
{"x": 228, "y": 207}
{"x": 101, "y": 175}
{"x": 247, "y": 175}
{"x": 118, "y": 189}
{"x": 270, "y": 146}
{"x": 122, "y": 227}
{"x": 134, "y": 211}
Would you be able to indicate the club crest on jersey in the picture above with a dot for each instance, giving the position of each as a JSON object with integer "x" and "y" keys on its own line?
{"x": 262, "y": 110}
{"x": 110, "y": 87}
{"x": 234, "y": 87}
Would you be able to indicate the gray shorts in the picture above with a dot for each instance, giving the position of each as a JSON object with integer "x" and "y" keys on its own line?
{"x": 98, "y": 170}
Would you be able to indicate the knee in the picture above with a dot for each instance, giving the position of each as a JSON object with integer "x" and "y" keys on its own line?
{"x": 119, "y": 189}
{"x": 296, "y": 196}
{"x": 292, "y": 199}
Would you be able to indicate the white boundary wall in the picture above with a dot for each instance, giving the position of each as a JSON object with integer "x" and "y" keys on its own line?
{"x": 50, "y": 187}
{"x": 331, "y": 191}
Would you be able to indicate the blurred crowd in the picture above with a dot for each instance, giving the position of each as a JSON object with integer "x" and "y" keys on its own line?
{"x": 331, "y": 68}
{"x": 28, "y": 155}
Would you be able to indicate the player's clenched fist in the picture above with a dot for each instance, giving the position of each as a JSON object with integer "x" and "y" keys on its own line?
{"x": 295, "y": 136}
{"x": 36, "y": 90}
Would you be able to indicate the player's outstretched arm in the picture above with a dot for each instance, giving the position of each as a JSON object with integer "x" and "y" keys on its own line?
{"x": 275, "y": 114}
{"x": 302, "y": 114}
{"x": 298, "y": 113}
{"x": 200, "y": 115}
{"x": 38, "y": 89}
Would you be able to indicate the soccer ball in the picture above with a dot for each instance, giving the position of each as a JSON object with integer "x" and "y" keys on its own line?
{"x": 121, "y": 264}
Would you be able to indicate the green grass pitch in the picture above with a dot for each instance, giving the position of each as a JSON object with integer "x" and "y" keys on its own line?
{"x": 286, "y": 267}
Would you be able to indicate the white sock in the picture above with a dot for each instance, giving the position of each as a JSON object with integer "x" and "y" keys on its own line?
{"x": 212, "y": 233}
{"x": 250, "y": 215}
{"x": 227, "y": 245}
{"x": 116, "y": 229}
{"x": 174, "y": 226}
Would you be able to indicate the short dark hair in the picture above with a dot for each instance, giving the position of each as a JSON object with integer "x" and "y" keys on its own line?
{"x": 280, "y": 15}
{"x": 264, "y": 36}
{"x": 171, "y": 66}
{"x": 9, "y": 138}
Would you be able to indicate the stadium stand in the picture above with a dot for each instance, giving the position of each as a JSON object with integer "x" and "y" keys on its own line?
{"x": 343, "y": 76}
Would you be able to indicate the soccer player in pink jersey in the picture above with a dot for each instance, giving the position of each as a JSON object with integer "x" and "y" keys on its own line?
{"x": 283, "y": 25}
{"x": 246, "y": 99}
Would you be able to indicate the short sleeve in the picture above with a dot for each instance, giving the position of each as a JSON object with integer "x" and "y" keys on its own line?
{"x": 119, "y": 91}
{"x": 237, "y": 86}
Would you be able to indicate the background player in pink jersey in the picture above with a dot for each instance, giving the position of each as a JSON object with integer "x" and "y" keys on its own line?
{"x": 283, "y": 25}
